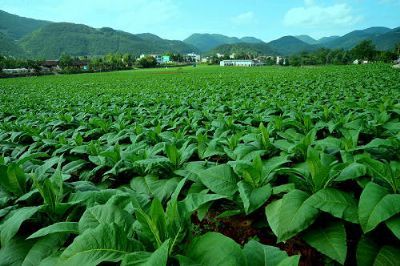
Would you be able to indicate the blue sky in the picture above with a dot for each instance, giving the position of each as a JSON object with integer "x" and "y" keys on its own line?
{"x": 177, "y": 19}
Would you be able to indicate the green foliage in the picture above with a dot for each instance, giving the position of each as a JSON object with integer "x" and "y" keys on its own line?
{"x": 365, "y": 50}
{"x": 147, "y": 62}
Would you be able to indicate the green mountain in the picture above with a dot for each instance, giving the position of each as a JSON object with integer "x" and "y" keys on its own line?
{"x": 16, "y": 27}
{"x": 9, "y": 47}
{"x": 206, "y": 42}
{"x": 54, "y": 39}
{"x": 307, "y": 39}
{"x": 353, "y": 38}
{"x": 327, "y": 39}
{"x": 289, "y": 45}
{"x": 388, "y": 40}
{"x": 250, "y": 40}
{"x": 246, "y": 48}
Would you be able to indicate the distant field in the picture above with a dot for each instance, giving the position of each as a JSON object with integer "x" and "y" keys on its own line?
{"x": 142, "y": 165}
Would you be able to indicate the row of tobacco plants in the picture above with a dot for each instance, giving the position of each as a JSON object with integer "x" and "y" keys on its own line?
{"x": 210, "y": 166}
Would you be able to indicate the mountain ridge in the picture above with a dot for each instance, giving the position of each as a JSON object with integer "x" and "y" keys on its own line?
{"x": 25, "y": 37}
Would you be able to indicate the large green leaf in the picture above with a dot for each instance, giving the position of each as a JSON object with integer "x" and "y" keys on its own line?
{"x": 162, "y": 188}
{"x": 258, "y": 254}
{"x": 367, "y": 251}
{"x": 219, "y": 179}
{"x": 195, "y": 200}
{"x": 352, "y": 171}
{"x": 12, "y": 179}
{"x": 394, "y": 225}
{"x": 388, "y": 256}
{"x": 329, "y": 239}
{"x": 290, "y": 261}
{"x": 290, "y": 215}
{"x": 376, "y": 205}
{"x": 336, "y": 202}
{"x": 14, "y": 252}
{"x": 253, "y": 198}
{"x": 107, "y": 242}
{"x": 43, "y": 248}
{"x": 11, "y": 226}
{"x": 62, "y": 227}
{"x": 105, "y": 214}
{"x": 141, "y": 258}
{"x": 215, "y": 249}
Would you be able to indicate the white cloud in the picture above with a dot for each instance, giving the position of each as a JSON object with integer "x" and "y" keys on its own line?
{"x": 244, "y": 18}
{"x": 313, "y": 15}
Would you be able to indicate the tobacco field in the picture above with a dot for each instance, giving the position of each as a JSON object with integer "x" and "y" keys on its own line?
{"x": 202, "y": 166}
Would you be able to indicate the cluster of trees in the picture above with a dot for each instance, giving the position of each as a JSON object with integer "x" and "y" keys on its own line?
{"x": 11, "y": 62}
{"x": 110, "y": 62}
{"x": 365, "y": 50}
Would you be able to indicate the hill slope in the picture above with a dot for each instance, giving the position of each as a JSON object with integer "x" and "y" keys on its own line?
{"x": 16, "y": 27}
{"x": 327, "y": 39}
{"x": 54, "y": 39}
{"x": 246, "y": 48}
{"x": 9, "y": 47}
{"x": 289, "y": 45}
{"x": 388, "y": 40}
{"x": 206, "y": 42}
{"x": 351, "y": 39}
{"x": 307, "y": 39}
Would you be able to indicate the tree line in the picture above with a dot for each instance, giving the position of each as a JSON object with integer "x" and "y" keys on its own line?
{"x": 364, "y": 51}
{"x": 71, "y": 64}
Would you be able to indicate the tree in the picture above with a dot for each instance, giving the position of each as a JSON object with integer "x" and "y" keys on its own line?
{"x": 35, "y": 65}
{"x": 386, "y": 56}
{"x": 147, "y": 62}
{"x": 365, "y": 50}
{"x": 397, "y": 49}
{"x": 66, "y": 61}
{"x": 2, "y": 62}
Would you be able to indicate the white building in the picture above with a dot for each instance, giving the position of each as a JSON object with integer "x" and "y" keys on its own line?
{"x": 194, "y": 57}
{"x": 220, "y": 55}
{"x": 242, "y": 63}
{"x": 280, "y": 60}
{"x": 17, "y": 71}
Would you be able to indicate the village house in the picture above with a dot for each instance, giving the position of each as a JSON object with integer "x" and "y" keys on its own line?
{"x": 17, "y": 71}
{"x": 193, "y": 57}
{"x": 241, "y": 63}
{"x": 50, "y": 66}
{"x": 160, "y": 59}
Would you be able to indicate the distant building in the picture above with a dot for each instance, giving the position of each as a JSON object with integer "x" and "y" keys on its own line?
{"x": 50, "y": 66}
{"x": 160, "y": 59}
{"x": 232, "y": 56}
{"x": 205, "y": 59}
{"x": 166, "y": 59}
{"x": 241, "y": 63}
{"x": 280, "y": 60}
{"x": 220, "y": 55}
{"x": 17, "y": 71}
{"x": 193, "y": 57}
{"x": 82, "y": 64}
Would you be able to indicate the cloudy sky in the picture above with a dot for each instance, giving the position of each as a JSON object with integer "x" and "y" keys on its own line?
{"x": 177, "y": 19}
